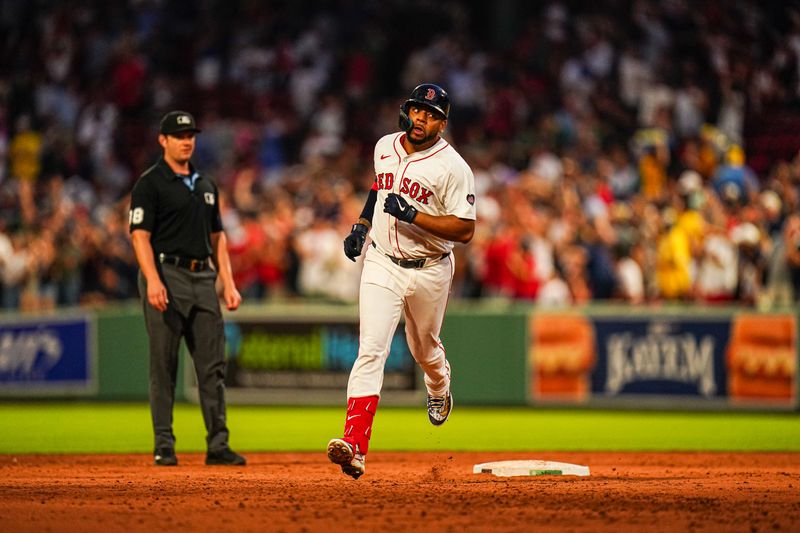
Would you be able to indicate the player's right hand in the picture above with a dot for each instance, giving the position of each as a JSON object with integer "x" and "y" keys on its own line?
{"x": 354, "y": 242}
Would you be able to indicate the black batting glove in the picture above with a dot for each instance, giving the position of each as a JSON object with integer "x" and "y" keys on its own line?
{"x": 397, "y": 206}
{"x": 354, "y": 242}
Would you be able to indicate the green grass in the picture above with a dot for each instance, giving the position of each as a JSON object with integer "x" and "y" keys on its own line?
{"x": 35, "y": 427}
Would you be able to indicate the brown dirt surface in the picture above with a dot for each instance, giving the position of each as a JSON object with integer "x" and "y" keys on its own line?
{"x": 401, "y": 492}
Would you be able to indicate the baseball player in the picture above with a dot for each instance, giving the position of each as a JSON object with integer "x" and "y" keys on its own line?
{"x": 428, "y": 196}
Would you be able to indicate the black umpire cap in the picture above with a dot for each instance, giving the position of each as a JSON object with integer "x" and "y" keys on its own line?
{"x": 176, "y": 122}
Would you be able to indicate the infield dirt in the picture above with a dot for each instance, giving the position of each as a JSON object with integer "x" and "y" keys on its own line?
{"x": 401, "y": 492}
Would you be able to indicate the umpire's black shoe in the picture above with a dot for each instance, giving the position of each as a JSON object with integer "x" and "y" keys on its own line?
{"x": 225, "y": 457}
{"x": 165, "y": 457}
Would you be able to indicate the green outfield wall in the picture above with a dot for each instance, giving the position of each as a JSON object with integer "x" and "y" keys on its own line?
{"x": 487, "y": 350}
{"x": 122, "y": 348}
{"x": 500, "y": 354}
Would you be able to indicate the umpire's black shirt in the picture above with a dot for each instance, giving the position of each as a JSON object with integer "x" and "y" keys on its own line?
{"x": 180, "y": 220}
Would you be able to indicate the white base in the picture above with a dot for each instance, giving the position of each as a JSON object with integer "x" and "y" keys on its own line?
{"x": 530, "y": 468}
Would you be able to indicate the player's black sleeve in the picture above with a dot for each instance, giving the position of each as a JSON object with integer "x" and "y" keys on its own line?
{"x": 369, "y": 205}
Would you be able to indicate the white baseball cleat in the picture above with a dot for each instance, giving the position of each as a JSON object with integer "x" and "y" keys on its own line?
{"x": 439, "y": 409}
{"x": 342, "y": 453}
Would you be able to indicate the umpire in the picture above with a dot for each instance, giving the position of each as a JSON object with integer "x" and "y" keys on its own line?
{"x": 181, "y": 248}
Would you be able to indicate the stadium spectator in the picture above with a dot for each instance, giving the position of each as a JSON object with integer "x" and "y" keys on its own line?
{"x": 568, "y": 111}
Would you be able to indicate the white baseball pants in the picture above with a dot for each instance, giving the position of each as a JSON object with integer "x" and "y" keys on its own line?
{"x": 387, "y": 290}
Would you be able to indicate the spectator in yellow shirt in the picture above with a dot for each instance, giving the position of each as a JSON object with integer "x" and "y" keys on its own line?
{"x": 25, "y": 151}
{"x": 673, "y": 260}
{"x": 24, "y": 156}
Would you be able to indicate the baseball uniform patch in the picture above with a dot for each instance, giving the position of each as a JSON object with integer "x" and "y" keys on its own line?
{"x": 471, "y": 199}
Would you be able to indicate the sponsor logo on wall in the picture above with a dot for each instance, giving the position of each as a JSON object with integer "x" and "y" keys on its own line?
{"x": 666, "y": 358}
{"x": 743, "y": 359}
{"x": 46, "y": 356}
{"x": 306, "y": 356}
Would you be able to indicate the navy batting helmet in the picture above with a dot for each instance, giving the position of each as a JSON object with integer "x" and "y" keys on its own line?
{"x": 427, "y": 95}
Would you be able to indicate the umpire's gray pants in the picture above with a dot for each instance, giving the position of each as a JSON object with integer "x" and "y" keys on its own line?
{"x": 194, "y": 314}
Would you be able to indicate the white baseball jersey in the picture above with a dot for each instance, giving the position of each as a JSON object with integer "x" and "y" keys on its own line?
{"x": 436, "y": 181}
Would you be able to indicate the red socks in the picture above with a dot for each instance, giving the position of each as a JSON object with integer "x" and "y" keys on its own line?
{"x": 358, "y": 421}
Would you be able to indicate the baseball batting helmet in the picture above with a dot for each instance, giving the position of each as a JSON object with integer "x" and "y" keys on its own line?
{"x": 427, "y": 95}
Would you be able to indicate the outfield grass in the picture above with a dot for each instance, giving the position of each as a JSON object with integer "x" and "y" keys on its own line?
{"x": 116, "y": 428}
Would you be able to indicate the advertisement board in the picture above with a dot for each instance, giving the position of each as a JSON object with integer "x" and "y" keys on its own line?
{"x": 741, "y": 359}
{"x": 660, "y": 357}
{"x": 47, "y": 356}
{"x": 306, "y": 361}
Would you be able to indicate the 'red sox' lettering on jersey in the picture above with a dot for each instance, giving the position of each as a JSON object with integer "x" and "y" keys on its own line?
{"x": 385, "y": 180}
{"x": 417, "y": 192}
{"x": 436, "y": 181}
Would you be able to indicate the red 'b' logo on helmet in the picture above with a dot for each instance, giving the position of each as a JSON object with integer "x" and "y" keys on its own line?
{"x": 431, "y": 94}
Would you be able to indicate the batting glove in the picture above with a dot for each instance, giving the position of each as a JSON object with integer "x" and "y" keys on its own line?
{"x": 397, "y": 206}
{"x": 354, "y": 242}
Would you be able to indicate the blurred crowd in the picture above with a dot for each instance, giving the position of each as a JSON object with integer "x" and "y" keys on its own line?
{"x": 612, "y": 142}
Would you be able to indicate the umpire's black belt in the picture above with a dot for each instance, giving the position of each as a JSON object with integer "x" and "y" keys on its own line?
{"x": 195, "y": 265}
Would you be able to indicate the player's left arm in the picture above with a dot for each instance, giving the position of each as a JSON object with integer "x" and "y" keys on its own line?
{"x": 448, "y": 227}
{"x": 219, "y": 247}
{"x": 458, "y": 198}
